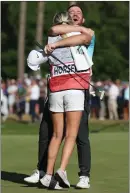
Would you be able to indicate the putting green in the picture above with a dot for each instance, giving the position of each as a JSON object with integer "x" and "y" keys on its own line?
{"x": 109, "y": 161}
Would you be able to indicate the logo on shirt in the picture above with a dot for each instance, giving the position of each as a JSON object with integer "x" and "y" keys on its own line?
{"x": 62, "y": 70}
{"x": 37, "y": 55}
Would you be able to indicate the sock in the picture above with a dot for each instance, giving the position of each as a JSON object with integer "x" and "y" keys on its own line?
{"x": 49, "y": 176}
{"x": 62, "y": 170}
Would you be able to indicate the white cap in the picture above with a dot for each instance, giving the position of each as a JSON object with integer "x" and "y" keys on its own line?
{"x": 35, "y": 58}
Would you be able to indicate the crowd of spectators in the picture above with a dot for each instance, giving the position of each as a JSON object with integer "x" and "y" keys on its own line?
{"x": 28, "y": 97}
{"x": 115, "y": 104}
{"x": 23, "y": 97}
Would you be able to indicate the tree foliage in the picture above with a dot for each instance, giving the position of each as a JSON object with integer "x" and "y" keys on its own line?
{"x": 110, "y": 21}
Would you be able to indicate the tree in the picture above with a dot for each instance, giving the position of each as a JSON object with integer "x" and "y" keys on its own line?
{"x": 40, "y": 24}
{"x": 40, "y": 21}
{"x": 21, "y": 39}
{"x": 109, "y": 20}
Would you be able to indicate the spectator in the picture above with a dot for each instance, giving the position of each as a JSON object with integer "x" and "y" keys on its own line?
{"x": 34, "y": 97}
{"x": 4, "y": 106}
{"x": 95, "y": 105}
{"x": 27, "y": 97}
{"x": 12, "y": 90}
{"x": 120, "y": 99}
{"x": 126, "y": 102}
{"x": 4, "y": 88}
{"x": 27, "y": 80}
{"x": 106, "y": 89}
{"x": 100, "y": 86}
{"x": 21, "y": 99}
{"x": 42, "y": 97}
{"x": 113, "y": 93}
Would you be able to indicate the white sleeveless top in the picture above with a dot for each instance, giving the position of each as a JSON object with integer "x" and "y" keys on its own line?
{"x": 63, "y": 54}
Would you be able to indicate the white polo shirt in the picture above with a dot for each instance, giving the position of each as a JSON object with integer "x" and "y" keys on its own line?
{"x": 35, "y": 92}
{"x": 113, "y": 92}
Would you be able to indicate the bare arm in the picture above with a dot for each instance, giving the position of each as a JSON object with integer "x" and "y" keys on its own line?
{"x": 81, "y": 39}
{"x": 63, "y": 29}
{"x": 75, "y": 40}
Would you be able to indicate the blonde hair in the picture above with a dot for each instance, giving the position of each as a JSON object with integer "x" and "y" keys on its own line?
{"x": 62, "y": 18}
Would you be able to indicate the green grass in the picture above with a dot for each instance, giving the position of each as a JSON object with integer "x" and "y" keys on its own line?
{"x": 15, "y": 128}
{"x": 109, "y": 146}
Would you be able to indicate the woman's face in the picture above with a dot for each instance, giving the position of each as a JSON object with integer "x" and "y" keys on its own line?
{"x": 76, "y": 15}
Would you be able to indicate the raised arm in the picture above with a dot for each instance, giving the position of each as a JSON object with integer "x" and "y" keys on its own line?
{"x": 75, "y": 40}
{"x": 63, "y": 29}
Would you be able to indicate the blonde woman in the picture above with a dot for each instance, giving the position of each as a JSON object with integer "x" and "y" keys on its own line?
{"x": 66, "y": 97}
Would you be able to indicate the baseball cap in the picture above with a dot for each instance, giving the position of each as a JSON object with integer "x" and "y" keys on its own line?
{"x": 35, "y": 58}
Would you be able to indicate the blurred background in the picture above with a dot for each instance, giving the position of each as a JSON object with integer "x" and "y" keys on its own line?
{"x": 24, "y": 22}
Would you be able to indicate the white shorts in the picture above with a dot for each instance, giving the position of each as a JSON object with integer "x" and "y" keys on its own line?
{"x": 68, "y": 100}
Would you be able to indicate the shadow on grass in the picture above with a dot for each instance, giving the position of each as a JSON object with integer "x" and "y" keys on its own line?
{"x": 16, "y": 178}
{"x": 19, "y": 179}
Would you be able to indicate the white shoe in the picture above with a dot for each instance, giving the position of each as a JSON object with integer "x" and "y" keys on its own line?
{"x": 46, "y": 180}
{"x": 35, "y": 177}
{"x": 61, "y": 177}
{"x": 83, "y": 182}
